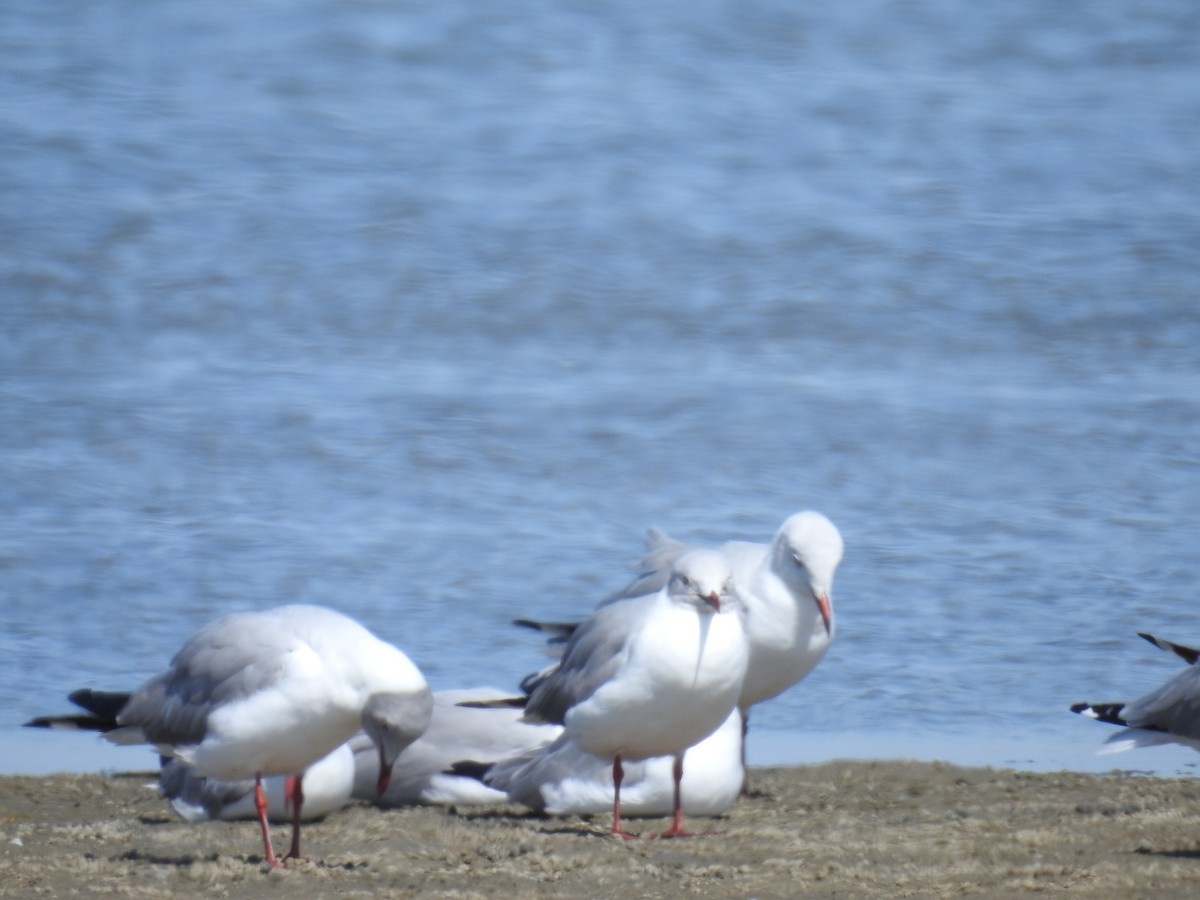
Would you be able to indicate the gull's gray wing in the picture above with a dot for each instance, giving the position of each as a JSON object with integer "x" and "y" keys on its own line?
{"x": 228, "y": 660}
{"x": 192, "y": 793}
{"x": 592, "y": 656}
{"x": 655, "y": 572}
{"x": 521, "y": 777}
{"x": 1173, "y": 708}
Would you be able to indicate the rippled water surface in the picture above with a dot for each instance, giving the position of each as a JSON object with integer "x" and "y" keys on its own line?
{"x": 425, "y": 312}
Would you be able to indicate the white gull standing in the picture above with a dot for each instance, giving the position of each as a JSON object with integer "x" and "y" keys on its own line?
{"x": 268, "y": 693}
{"x": 1169, "y": 714}
{"x": 651, "y": 676}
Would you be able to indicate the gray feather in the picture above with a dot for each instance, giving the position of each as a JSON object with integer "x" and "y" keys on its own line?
{"x": 222, "y": 662}
{"x": 177, "y": 781}
{"x": 595, "y": 652}
{"x": 1173, "y": 708}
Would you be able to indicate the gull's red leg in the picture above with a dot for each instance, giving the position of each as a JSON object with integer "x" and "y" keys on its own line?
{"x": 260, "y": 803}
{"x": 618, "y": 777}
{"x": 677, "y": 829}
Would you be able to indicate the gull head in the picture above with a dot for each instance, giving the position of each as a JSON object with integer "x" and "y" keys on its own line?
{"x": 393, "y": 720}
{"x": 702, "y": 578}
{"x": 807, "y": 551}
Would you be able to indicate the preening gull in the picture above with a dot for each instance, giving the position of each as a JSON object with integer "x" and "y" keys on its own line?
{"x": 1169, "y": 714}
{"x": 269, "y": 693}
{"x": 651, "y": 676}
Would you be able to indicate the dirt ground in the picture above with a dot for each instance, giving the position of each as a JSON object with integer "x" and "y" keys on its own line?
{"x": 842, "y": 829}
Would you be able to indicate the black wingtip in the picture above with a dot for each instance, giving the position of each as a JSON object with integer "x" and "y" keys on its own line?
{"x": 1102, "y": 712}
{"x": 469, "y": 768}
{"x": 1187, "y": 654}
{"x": 503, "y": 703}
{"x": 104, "y": 704}
{"x": 101, "y": 709}
{"x": 559, "y": 631}
{"x": 72, "y": 723}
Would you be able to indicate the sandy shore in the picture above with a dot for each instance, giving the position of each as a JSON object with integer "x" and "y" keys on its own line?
{"x": 844, "y": 829}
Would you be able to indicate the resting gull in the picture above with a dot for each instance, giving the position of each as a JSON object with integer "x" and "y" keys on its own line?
{"x": 561, "y": 779}
{"x": 432, "y": 770}
{"x": 1169, "y": 714}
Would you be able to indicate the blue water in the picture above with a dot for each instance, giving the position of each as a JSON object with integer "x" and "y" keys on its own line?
{"x": 426, "y": 312}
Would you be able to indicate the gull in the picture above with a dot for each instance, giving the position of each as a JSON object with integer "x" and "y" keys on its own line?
{"x": 1169, "y": 714}
{"x": 459, "y": 740}
{"x": 785, "y": 589}
{"x": 561, "y": 779}
{"x": 651, "y": 676}
{"x": 328, "y": 782}
{"x": 257, "y": 694}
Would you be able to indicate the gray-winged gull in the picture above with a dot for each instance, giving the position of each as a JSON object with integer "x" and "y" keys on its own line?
{"x": 267, "y": 693}
{"x": 1168, "y": 714}
{"x": 651, "y": 676}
